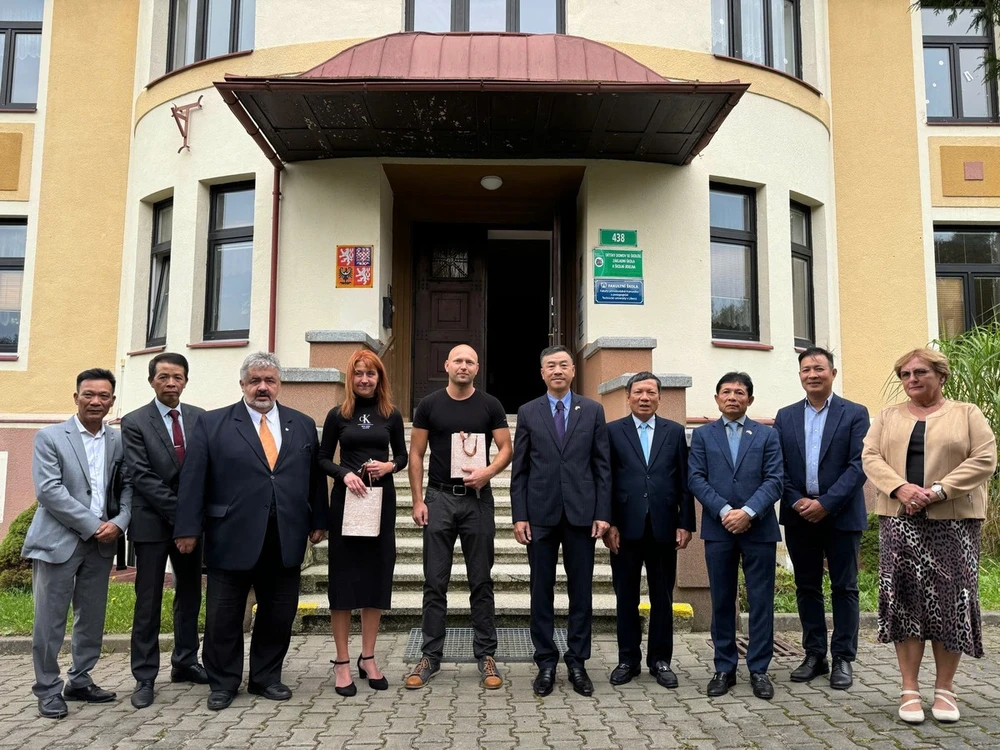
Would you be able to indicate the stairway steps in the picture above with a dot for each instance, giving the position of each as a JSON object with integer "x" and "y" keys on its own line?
{"x": 409, "y": 549}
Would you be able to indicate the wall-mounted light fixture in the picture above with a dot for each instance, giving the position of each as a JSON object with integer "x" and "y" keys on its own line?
{"x": 491, "y": 182}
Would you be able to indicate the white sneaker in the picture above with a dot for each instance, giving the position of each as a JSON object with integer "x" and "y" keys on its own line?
{"x": 911, "y": 716}
{"x": 946, "y": 714}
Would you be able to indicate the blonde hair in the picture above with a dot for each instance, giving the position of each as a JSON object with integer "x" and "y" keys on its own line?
{"x": 934, "y": 358}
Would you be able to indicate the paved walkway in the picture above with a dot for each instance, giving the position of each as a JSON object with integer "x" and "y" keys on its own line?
{"x": 453, "y": 712}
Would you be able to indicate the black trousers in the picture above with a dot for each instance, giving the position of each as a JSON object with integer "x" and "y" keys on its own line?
{"x": 808, "y": 544}
{"x": 150, "y": 566}
{"x": 469, "y": 519}
{"x": 277, "y": 590}
{"x": 660, "y": 559}
{"x": 578, "y": 562}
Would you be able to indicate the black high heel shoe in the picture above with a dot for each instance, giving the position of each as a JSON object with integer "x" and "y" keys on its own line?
{"x": 348, "y": 691}
{"x": 380, "y": 684}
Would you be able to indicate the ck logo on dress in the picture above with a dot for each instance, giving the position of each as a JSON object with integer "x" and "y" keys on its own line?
{"x": 364, "y": 421}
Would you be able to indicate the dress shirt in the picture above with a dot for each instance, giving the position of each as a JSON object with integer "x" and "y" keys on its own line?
{"x": 168, "y": 421}
{"x": 94, "y": 447}
{"x": 740, "y": 422}
{"x": 272, "y": 422}
{"x": 567, "y": 400}
{"x": 815, "y": 424}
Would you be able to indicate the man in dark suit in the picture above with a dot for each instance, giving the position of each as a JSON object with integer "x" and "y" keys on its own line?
{"x": 823, "y": 510}
{"x": 652, "y": 517}
{"x": 735, "y": 472}
{"x": 154, "y": 437}
{"x": 252, "y": 484}
{"x": 561, "y": 495}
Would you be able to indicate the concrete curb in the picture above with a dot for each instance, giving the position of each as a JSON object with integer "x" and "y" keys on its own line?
{"x": 788, "y": 622}
{"x": 20, "y": 645}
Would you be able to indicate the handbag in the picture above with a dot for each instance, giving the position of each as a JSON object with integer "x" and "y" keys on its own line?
{"x": 363, "y": 515}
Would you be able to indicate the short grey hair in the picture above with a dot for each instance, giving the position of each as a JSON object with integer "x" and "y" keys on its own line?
{"x": 259, "y": 359}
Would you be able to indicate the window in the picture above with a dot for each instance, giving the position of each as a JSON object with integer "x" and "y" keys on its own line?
{"x": 733, "y": 214}
{"x": 765, "y": 32}
{"x": 529, "y": 16}
{"x": 200, "y": 29}
{"x": 230, "y": 260}
{"x": 13, "y": 238}
{"x": 159, "y": 274}
{"x": 803, "y": 315}
{"x": 968, "y": 277}
{"x": 954, "y": 68}
{"x": 20, "y": 52}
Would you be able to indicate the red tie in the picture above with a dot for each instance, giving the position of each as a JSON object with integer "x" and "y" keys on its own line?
{"x": 178, "y": 435}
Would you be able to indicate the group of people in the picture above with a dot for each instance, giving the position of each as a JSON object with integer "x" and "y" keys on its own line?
{"x": 246, "y": 487}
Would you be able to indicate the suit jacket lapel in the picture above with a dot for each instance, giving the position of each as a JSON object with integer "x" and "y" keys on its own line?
{"x": 632, "y": 436}
{"x": 73, "y": 435}
{"x": 799, "y": 426}
{"x": 161, "y": 432}
{"x": 836, "y": 408}
{"x": 719, "y": 430}
{"x": 546, "y": 414}
{"x": 110, "y": 440}
{"x": 748, "y": 435}
{"x": 574, "y": 417}
{"x": 659, "y": 435}
{"x": 245, "y": 426}
{"x": 287, "y": 426}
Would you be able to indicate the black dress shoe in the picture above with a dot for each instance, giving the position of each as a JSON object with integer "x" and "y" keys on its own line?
{"x": 89, "y": 693}
{"x": 142, "y": 696}
{"x": 195, "y": 673}
{"x": 220, "y": 699}
{"x": 544, "y": 681}
{"x": 580, "y": 680}
{"x": 624, "y": 673}
{"x": 812, "y": 666}
{"x": 664, "y": 675}
{"x": 720, "y": 683}
{"x": 53, "y": 707}
{"x": 762, "y": 686}
{"x": 276, "y": 691}
{"x": 842, "y": 675}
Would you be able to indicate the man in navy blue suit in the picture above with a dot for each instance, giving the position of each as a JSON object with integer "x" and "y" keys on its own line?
{"x": 652, "y": 517}
{"x": 823, "y": 511}
{"x": 735, "y": 472}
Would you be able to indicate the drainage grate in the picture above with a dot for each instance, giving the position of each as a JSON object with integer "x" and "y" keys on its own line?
{"x": 782, "y": 648}
{"x": 513, "y": 644}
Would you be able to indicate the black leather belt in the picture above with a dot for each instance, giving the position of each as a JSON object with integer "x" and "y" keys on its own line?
{"x": 458, "y": 490}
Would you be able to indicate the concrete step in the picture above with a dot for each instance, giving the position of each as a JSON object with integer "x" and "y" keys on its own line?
{"x": 500, "y": 482}
{"x": 404, "y": 501}
{"x": 406, "y": 527}
{"x": 409, "y": 549}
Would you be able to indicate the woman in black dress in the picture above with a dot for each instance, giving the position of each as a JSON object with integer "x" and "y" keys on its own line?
{"x": 361, "y": 568}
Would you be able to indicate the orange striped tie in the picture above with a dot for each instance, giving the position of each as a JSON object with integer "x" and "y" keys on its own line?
{"x": 267, "y": 440}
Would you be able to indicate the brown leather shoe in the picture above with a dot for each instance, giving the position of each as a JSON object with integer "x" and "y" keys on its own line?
{"x": 422, "y": 673}
{"x": 489, "y": 673}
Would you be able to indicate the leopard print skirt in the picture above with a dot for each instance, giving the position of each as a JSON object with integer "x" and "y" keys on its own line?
{"x": 929, "y": 582}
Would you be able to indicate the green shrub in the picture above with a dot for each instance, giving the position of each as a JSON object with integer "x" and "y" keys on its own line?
{"x": 15, "y": 571}
{"x": 869, "y": 544}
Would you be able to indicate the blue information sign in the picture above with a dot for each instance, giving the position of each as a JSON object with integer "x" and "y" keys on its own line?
{"x": 618, "y": 291}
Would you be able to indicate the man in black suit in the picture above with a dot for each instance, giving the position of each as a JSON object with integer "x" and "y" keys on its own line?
{"x": 652, "y": 517}
{"x": 251, "y": 482}
{"x": 561, "y": 494}
{"x": 823, "y": 511}
{"x": 154, "y": 451}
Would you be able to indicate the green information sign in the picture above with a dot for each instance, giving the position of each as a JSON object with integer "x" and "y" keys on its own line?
{"x": 615, "y": 263}
{"x": 619, "y": 237}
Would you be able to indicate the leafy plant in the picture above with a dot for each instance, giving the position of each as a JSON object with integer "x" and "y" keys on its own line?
{"x": 984, "y": 14}
{"x": 15, "y": 571}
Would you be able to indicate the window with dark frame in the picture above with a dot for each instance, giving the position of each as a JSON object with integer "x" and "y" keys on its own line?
{"x": 733, "y": 218}
{"x": 803, "y": 307}
{"x": 967, "y": 262}
{"x": 20, "y": 52}
{"x": 230, "y": 262}
{"x": 956, "y": 89}
{"x": 527, "y": 16}
{"x": 202, "y": 29}
{"x": 159, "y": 274}
{"x": 13, "y": 240}
{"x": 766, "y": 32}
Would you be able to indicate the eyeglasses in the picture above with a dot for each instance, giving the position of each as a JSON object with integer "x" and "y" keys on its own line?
{"x": 905, "y": 374}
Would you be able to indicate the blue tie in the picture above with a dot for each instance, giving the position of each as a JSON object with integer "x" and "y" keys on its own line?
{"x": 644, "y": 440}
{"x": 733, "y": 433}
{"x": 560, "y": 420}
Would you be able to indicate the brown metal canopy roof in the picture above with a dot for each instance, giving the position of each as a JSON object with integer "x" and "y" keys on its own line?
{"x": 479, "y": 95}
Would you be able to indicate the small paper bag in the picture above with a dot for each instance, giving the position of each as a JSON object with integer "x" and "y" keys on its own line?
{"x": 363, "y": 515}
{"x": 468, "y": 450}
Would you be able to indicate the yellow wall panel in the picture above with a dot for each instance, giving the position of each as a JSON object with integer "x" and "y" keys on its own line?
{"x": 16, "y": 143}
{"x": 953, "y": 171}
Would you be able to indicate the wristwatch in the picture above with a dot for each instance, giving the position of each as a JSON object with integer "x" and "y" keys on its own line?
{"x": 939, "y": 491}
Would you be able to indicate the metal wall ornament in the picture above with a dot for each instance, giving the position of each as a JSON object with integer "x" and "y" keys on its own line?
{"x": 182, "y": 116}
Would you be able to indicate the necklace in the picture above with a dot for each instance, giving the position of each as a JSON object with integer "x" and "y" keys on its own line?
{"x": 475, "y": 446}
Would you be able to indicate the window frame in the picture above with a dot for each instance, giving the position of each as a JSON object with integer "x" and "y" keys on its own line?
{"x": 200, "y": 29}
{"x": 460, "y": 15}
{"x": 158, "y": 252}
{"x": 954, "y": 45}
{"x": 734, "y": 12}
{"x": 967, "y": 272}
{"x": 805, "y": 253}
{"x": 226, "y": 236}
{"x": 743, "y": 237}
{"x": 14, "y": 264}
{"x": 9, "y": 30}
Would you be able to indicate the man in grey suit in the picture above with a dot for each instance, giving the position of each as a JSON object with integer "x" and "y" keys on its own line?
{"x": 84, "y": 505}
{"x": 155, "y": 443}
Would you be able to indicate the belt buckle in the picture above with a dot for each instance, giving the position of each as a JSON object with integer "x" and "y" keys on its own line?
{"x": 456, "y": 493}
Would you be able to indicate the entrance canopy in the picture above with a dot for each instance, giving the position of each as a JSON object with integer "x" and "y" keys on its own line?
{"x": 481, "y": 96}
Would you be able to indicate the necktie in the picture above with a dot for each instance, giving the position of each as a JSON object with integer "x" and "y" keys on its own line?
{"x": 644, "y": 440}
{"x": 267, "y": 440}
{"x": 733, "y": 429}
{"x": 560, "y": 420}
{"x": 178, "y": 435}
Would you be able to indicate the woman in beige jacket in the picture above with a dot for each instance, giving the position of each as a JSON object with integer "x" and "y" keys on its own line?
{"x": 929, "y": 459}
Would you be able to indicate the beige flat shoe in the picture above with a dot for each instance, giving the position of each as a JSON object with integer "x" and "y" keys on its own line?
{"x": 911, "y": 716}
{"x": 946, "y": 714}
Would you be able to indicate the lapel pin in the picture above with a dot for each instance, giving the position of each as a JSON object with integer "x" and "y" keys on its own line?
{"x": 749, "y": 432}
{"x": 577, "y": 408}
{"x": 287, "y": 429}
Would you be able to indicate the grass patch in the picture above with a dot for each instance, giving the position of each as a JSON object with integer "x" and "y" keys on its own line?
{"x": 17, "y": 611}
